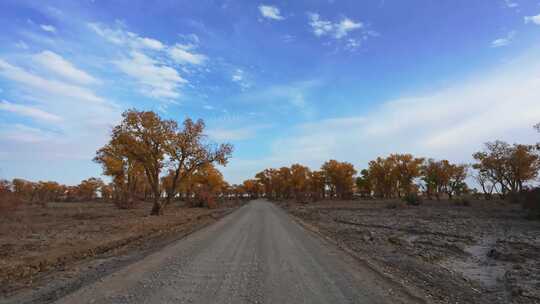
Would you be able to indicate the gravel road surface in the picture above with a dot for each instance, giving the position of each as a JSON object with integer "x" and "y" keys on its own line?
{"x": 258, "y": 254}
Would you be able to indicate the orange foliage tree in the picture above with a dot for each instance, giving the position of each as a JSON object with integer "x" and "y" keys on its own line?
{"x": 394, "y": 175}
{"x": 188, "y": 151}
{"x": 300, "y": 181}
{"x": 443, "y": 177}
{"x": 339, "y": 178}
{"x": 252, "y": 187}
{"x": 508, "y": 166}
{"x": 153, "y": 144}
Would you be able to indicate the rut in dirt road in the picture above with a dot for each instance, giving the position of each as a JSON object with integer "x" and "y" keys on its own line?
{"x": 258, "y": 254}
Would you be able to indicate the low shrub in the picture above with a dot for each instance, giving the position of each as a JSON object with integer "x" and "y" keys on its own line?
{"x": 515, "y": 198}
{"x": 530, "y": 201}
{"x": 462, "y": 202}
{"x": 394, "y": 205}
{"x": 9, "y": 202}
{"x": 412, "y": 199}
{"x": 125, "y": 203}
{"x": 204, "y": 199}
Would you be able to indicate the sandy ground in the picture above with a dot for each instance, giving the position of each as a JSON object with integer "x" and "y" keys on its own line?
{"x": 484, "y": 253}
{"x": 37, "y": 244}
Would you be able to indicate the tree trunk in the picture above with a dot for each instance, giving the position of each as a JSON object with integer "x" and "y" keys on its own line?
{"x": 157, "y": 208}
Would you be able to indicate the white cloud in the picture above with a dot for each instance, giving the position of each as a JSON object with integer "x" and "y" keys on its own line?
{"x": 352, "y": 44}
{"x": 270, "y": 12}
{"x": 294, "y": 94}
{"x": 80, "y": 124}
{"x": 338, "y": 30}
{"x": 156, "y": 79}
{"x": 60, "y": 66}
{"x": 320, "y": 27}
{"x": 533, "y": 19}
{"x": 122, "y": 37}
{"x": 288, "y": 38}
{"x": 21, "y": 45}
{"x": 510, "y": 4}
{"x": 38, "y": 38}
{"x": 28, "y": 111}
{"x": 181, "y": 54}
{"x": 209, "y": 107}
{"x": 48, "y": 28}
{"x": 449, "y": 123}
{"x": 345, "y": 26}
{"x": 25, "y": 134}
{"x": 151, "y": 43}
{"x": 239, "y": 77}
{"x": 152, "y": 63}
{"x": 235, "y": 134}
{"x": 57, "y": 88}
{"x": 230, "y": 134}
{"x": 500, "y": 42}
{"x": 114, "y": 36}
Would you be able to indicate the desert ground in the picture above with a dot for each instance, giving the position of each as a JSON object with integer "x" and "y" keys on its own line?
{"x": 257, "y": 254}
{"x": 47, "y": 251}
{"x": 487, "y": 252}
{"x": 358, "y": 251}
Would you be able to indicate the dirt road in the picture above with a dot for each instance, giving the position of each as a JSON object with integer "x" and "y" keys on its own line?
{"x": 258, "y": 254}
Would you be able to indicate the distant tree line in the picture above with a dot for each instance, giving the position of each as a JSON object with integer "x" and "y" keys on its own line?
{"x": 334, "y": 179}
{"x": 48, "y": 191}
{"x": 152, "y": 159}
{"x": 500, "y": 169}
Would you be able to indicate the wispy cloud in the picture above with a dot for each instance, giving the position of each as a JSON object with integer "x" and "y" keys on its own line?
{"x": 451, "y": 122}
{"x": 293, "y": 94}
{"x": 345, "y": 26}
{"x": 60, "y": 66}
{"x": 347, "y": 33}
{"x": 235, "y": 134}
{"x": 270, "y": 12}
{"x": 511, "y": 4}
{"x": 148, "y": 42}
{"x": 156, "y": 79}
{"x": 353, "y": 44}
{"x": 48, "y": 28}
{"x": 181, "y": 54}
{"x": 288, "y": 38}
{"x": 54, "y": 87}
{"x": 28, "y": 111}
{"x": 152, "y": 63}
{"x": 122, "y": 37}
{"x": 21, "y": 45}
{"x": 239, "y": 77}
{"x": 532, "y": 19}
{"x": 25, "y": 134}
{"x": 504, "y": 41}
{"x": 338, "y": 30}
{"x": 320, "y": 27}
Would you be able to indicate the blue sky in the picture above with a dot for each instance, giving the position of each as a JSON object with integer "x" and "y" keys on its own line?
{"x": 284, "y": 81}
